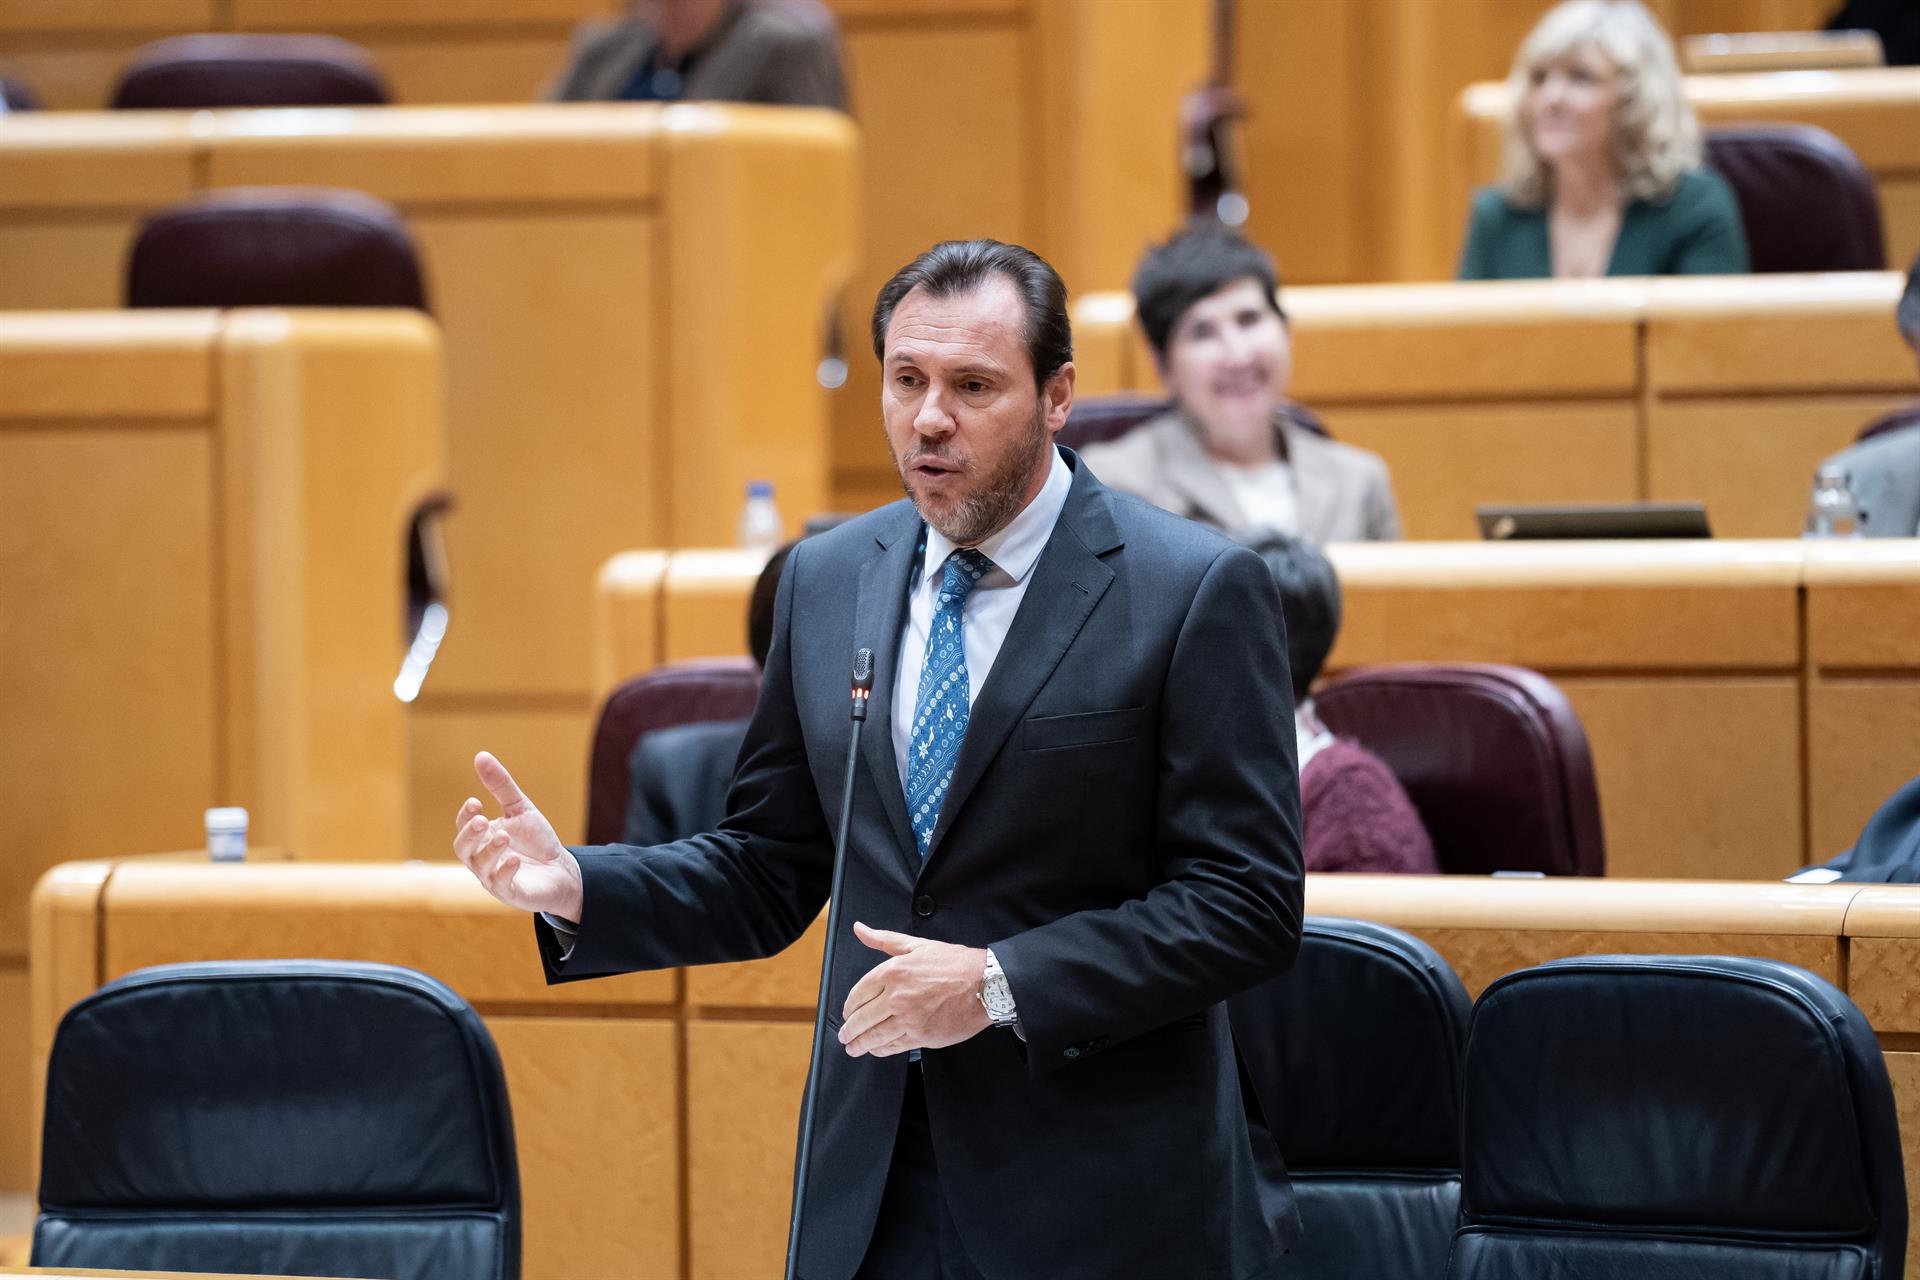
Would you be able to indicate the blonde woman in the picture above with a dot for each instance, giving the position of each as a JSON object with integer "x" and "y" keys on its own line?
{"x": 1603, "y": 174}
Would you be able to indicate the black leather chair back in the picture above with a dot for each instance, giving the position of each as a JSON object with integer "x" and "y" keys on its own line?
{"x": 276, "y": 247}
{"x": 1355, "y": 1056}
{"x": 1807, "y": 202}
{"x": 294, "y": 1117}
{"x": 1706, "y": 1117}
{"x": 1494, "y": 757}
{"x": 217, "y": 70}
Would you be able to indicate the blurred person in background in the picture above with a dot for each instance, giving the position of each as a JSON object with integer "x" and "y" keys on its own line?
{"x": 1354, "y": 814}
{"x": 1232, "y": 451}
{"x": 1884, "y": 470}
{"x": 1603, "y": 173}
{"x": 771, "y": 51}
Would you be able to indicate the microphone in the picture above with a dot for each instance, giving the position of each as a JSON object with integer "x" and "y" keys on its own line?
{"x": 862, "y": 690}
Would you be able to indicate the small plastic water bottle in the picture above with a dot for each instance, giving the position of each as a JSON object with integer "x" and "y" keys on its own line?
{"x": 227, "y": 834}
{"x": 760, "y": 526}
{"x": 1834, "y": 511}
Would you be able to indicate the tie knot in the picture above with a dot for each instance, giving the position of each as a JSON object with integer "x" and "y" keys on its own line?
{"x": 965, "y": 567}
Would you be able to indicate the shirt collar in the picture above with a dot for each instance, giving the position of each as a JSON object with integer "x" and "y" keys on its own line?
{"x": 1016, "y": 547}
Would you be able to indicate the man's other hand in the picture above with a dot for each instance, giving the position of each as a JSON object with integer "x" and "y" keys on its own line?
{"x": 516, "y": 856}
{"x": 925, "y": 996}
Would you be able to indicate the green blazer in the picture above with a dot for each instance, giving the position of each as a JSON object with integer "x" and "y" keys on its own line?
{"x": 1695, "y": 231}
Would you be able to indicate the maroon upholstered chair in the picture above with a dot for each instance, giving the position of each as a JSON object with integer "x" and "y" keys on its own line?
{"x": 1493, "y": 757}
{"x": 1098, "y": 419}
{"x": 186, "y": 72}
{"x": 1898, "y": 420}
{"x": 17, "y": 95}
{"x": 1807, "y": 202}
{"x": 276, "y": 247}
{"x": 686, "y": 692}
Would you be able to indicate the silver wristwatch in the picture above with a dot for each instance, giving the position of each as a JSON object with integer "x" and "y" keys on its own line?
{"x": 996, "y": 995}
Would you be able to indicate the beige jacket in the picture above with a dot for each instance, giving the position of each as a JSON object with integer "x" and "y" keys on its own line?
{"x": 1343, "y": 492}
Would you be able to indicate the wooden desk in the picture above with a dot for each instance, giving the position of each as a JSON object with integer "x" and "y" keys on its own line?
{"x": 204, "y": 567}
{"x": 428, "y": 51}
{"x": 1875, "y": 111}
{"x": 1727, "y": 391}
{"x": 599, "y": 271}
{"x": 69, "y": 1273}
{"x": 1741, "y": 697}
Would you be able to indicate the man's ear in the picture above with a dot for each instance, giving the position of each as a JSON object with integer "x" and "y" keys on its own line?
{"x": 1058, "y": 396}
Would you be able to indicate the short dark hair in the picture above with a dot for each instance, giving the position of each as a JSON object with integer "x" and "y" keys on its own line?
{"x": 960, "y": 266}
{"x": 1309, "y": 601}
{"x": 1195, "y": 264}
{"x": 1908, "y": 316}
{"x": 760, "y": 604}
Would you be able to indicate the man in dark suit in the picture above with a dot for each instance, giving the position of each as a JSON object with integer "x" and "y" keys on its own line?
{"x": 1075, "y": 833}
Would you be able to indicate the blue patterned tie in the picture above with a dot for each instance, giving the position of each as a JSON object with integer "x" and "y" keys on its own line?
{"x": 940, "y": 709}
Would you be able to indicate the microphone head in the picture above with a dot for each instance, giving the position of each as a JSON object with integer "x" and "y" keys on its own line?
{"x": 863, "y": 670}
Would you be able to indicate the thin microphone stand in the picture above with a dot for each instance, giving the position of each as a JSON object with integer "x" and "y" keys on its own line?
{"x": 862, "y": 688}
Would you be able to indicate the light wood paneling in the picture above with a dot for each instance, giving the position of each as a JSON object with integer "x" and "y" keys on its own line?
{"x": 1446, "y": 460}
{"x": 1751, "y": 460}
{"x": 703, "y": 613}
{"x": 143, "y": 368}
{"x": 744, "y": 1082}
{"x": 1863, "y": 744}
{"x": 1713, "y": 792}
{"x": 434, "y": 917}
{"x": 114, "y": 714}
{"x": 597, "y": 1123}
{"x": 1567, "y": 606}
{"x": 1783, "y": 333}
{"x": 1863, "y": 609}
{"x": 627, "y": 608}
{"x": 545, "y": 747}
{"x": 1903, "y": 1069}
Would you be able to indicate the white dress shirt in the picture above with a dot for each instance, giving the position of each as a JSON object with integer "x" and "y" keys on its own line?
{"x": 989, "y": 608}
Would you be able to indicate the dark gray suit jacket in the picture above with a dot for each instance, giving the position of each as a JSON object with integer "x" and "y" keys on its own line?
{"x": 1122, "y": 828}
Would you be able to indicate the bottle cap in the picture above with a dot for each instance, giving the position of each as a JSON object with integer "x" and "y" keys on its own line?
{"x": 232, "y": 818}
{"x": 760, "y": 488}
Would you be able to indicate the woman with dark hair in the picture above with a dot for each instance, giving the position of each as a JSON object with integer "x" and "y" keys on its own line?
{"x": 1354, "y": 814}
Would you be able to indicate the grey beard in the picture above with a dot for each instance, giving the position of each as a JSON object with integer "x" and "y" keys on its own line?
{"x": 972, "y": 520}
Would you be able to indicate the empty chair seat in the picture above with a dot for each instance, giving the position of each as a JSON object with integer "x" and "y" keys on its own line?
{"x": 276, "y": 247}
{"x": 1807, "y": 202}
{"x": 201, "y": 71}
{"x": 295, "y": 1117}
{"x": 1494, "y": 758}
{"x": 1355, "y": 1056}
{"x": 1661, "y": 1117}
{"x": 684, "y": 693}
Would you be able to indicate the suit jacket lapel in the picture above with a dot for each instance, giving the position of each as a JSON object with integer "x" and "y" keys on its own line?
{"x": 879, "y": 619}
{"x": 1068, "y": 580}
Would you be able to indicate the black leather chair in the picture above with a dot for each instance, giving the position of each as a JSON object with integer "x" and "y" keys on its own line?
{"x": 1355, "y": 1056}
{"x": 1807, "y": 202}
{"x": 294, "y": 1117}
{"x": 276, "y": 247}
{"x": 205, "y": 71}
{"x": 684, "y": 693}
{"x": 1494, "y": 758}
{"x": 1660, "y": 1117}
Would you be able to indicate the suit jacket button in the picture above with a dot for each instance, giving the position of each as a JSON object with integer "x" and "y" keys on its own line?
{"x": 923, "y": 906}
{"x": 1072, "y": 1051}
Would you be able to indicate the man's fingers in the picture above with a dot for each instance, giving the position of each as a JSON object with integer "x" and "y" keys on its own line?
{"x": 472, "y": 840}
{"x": 859, "y": 1021}
{"x": 877, "y": 1038}
{"x": 894, "y": 944}
{"x": 500, "y": 784}
{"x": 871, "y": 984}
{"x": 500, "y": 875}
{"x": 467, "y": 813}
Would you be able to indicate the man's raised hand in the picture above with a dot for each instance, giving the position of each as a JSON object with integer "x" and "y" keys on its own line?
{"x": 516, "y": 856}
